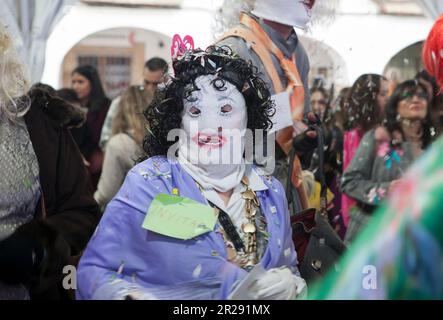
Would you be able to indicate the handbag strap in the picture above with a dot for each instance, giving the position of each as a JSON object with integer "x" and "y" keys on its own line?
{"x": 321, "y": 171}
{"x": 228, "y": 226}
{"x": 42, "y": 204}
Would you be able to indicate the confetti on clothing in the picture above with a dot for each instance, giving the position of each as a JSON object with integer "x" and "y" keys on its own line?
{"x": 170, "y": 268}
{"x": 368, "y": 177}
{"x": 404, "y": 242}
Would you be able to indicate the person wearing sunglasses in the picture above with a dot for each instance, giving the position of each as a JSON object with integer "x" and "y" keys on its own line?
{"x": 386, "y": 152}
{"x": 154, "y": 74}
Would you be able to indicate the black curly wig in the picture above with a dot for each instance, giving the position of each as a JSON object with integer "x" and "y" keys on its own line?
{"x": 166, "y": 111}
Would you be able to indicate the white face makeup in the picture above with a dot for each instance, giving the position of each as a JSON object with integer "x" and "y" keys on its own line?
{"x": 295, "y": 13}
{"x": 301, "y": 15}
{"x": 215, "y": 122}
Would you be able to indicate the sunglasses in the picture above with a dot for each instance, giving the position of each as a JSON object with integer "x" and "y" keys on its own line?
{"x": 407, "y": 96}
{"x": 147, "y": 83}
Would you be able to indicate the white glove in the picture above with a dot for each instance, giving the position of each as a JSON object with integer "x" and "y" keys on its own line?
{"x": 133, "y": 292}
{"x": 279, "y": 284}
{"x": 139, "y": 295}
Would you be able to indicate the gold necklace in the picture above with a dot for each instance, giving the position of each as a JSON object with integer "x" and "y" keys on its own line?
{"x": 250, "y": 228}
{"x": 249, "y": 257}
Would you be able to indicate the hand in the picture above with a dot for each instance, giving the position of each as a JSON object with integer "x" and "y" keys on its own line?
{"x": 278, "y": 284}
{"x": 55, "y": 252}
{"x": 382, "y": 135}
{"x": 134, "y": 292}
{"x": 312, "y": 120}
{"x": 140, "y": 296}
{"x": 307, "y": 141}
{"x": 20, "y": 259}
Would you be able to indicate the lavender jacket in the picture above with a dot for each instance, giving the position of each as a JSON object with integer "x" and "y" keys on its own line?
{"x": 122, "y": 256}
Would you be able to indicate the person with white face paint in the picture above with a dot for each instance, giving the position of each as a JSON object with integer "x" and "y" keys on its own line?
{"x": 266, "y": 36}
{"x": 294, "y": 13}
{"x": 197, "y": 143}
{"x": 215, "y": 155}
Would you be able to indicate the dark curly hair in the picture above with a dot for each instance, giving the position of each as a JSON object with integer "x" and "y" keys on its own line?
{"x": 392, "y": 122}
{"x": 165, "y": 112}
{"x": 362, "y": 109}
{"x": 340, "y": 107}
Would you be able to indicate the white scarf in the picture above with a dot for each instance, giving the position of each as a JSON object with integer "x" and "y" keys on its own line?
{"x": 220, "y": 177}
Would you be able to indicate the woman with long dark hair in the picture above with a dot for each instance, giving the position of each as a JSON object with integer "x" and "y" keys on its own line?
{"x": 364, "y": 109}
{"x": 320, "y": 103}
{"x": 339, "y": 106}
{"x": 386, "y": 153}
{"x": 88, "y": 87}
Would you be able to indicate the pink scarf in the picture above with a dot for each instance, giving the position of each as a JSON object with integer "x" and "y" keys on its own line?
{"x": 351, "y": 142}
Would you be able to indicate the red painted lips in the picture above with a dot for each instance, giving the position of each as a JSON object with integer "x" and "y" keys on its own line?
{"x": 209, "y": 141}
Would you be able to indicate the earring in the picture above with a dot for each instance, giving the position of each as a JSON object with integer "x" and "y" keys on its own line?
{"x": 432, "y": 131}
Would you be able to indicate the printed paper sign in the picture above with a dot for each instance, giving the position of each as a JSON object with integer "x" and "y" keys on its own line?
{"x": 180, "y": 218}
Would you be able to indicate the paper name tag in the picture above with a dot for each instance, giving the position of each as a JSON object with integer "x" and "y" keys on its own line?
{"x": 180, "y": 218}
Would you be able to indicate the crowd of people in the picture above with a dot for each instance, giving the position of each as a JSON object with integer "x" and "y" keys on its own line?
{"x": 172, "y": 218}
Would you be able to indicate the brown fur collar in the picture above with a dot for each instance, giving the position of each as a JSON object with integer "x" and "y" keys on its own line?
{"x": 60, "y": 111}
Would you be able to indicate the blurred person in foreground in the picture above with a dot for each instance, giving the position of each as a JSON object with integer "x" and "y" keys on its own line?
{"x": 47, "y": 212}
